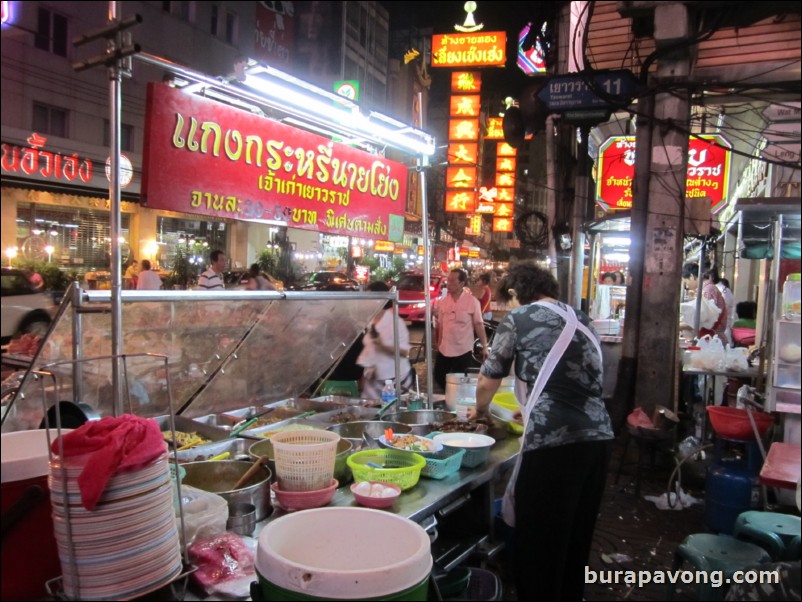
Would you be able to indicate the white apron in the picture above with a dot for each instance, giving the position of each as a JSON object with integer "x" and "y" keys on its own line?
{"x": 572, "y": 324}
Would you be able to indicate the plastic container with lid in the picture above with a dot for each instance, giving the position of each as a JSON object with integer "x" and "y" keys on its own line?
{"x": 792, "y": 297}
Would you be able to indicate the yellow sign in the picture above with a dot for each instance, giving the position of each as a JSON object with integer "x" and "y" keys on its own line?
{"x": 410, "y": 56}
{"x": 487, "y": 49}
{"x": 384, "y": 246}
{"x": 474, "y": 225}
{"x": 495, "y": 129}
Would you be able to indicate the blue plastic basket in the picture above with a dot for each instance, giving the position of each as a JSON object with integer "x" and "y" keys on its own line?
{"x": 442, "y": 464}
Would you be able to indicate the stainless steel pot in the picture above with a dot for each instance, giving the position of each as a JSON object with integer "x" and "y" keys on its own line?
{"x": 463, "y": 386}
{"x": 220, "y": 476}
{"x": 420, "y": 420}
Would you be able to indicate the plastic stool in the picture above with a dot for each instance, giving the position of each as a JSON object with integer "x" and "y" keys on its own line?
{"x": 772, "y": 531}
{"x": 347, "y": 388}
{"x": 706, "y": 552}
{"x": 794, "y": 550}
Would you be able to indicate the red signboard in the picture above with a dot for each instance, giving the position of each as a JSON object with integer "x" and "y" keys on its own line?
{"x": 466, "y": 82}
{"x": 502, "y": 224}
{"x": 207, "y": 158}
{"x": 463, "y": 153}
{"x": 707, "y": 174}
{"x": 460, "y": 201}
{"x": 505, "y": 150}
{"x": 463, "y": 129}
{"x": 479, "y": 49}
{"x": 495, "y": 128}
{"x": 461, "y": 177}
{"x": 465, "y": 105}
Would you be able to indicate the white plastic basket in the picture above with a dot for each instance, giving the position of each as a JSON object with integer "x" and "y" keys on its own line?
{"x": 305, "y": 459}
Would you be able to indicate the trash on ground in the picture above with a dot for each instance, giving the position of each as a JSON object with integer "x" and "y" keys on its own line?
{"x": 675, "y": 502}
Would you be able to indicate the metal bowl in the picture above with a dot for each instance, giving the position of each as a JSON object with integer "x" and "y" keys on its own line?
{"x": 353, "y": 431}
{"x": 420, "y": 420}
{"x": 220, "y": 477}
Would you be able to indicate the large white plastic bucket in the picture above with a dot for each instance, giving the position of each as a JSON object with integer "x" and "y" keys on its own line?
{"x": 343, "y": 553}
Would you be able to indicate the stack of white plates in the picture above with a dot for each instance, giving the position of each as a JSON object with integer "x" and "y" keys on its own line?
{"x": 128, "y": 545}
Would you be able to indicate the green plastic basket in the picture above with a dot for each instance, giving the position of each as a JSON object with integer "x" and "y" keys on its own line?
{"x": 442, "y": 464}
{"x": 397, "y": 467}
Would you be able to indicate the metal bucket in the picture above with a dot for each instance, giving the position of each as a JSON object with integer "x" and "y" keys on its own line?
{"x": 353, "y": 431}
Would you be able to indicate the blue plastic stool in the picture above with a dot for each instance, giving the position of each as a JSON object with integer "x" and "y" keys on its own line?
{"x": 706, "y": 552}
{"x": 772, "y": 531}
{"x": 347, "y": 388}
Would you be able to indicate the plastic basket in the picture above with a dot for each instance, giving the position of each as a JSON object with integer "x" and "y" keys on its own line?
{"x": 483, "y": 585}
{"x": 442, "y": 464}
{"x": 305, "y": 459}
{"x": 475, "y": 457}
{"x": 396, "y": 467}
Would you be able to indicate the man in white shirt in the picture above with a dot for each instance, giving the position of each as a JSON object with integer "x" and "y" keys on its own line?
{"x": 148, "y": 279}
{"x": 212, "y": 279}
{"x": 457, "y": 317}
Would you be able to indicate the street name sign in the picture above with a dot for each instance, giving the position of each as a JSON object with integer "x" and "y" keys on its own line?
{"x": 573, "y": 93}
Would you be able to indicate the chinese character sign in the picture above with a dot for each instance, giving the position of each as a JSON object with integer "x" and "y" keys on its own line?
{"x": 707, "y": 171}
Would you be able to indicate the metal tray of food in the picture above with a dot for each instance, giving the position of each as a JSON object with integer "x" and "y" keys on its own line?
{"x": 276, "y": 414}
{"x": 261, "y": 432}
{"x": 342, "y": 415}
{"x": 236, "y": 448}
{"x": 184, "y": 425}
{"x": 220, "y": 421}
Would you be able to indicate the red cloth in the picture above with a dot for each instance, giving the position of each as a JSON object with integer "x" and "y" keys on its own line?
{"x": 113, "y": 445}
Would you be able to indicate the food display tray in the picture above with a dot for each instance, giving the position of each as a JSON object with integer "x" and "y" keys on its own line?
{"x": 236, "y": 447}
{"x": 277, "y": 414}
{"x": 188, "y": 425}
{"x": 331, "y": 417}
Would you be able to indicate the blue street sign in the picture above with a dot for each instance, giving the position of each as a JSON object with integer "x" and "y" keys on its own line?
{"x": 572, "y": 92}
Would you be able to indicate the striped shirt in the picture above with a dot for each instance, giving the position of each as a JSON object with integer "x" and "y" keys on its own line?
{"x": 210, "y": 281}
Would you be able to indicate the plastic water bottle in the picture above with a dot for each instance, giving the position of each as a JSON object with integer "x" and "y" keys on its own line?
{"x": 388, "y": 392}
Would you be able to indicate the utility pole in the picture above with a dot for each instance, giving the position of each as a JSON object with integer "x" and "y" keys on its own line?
{"x": 664, "y": 221}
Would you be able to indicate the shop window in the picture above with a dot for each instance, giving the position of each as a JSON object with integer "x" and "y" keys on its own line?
{"x": 51, "y": 32}
{"x": 232, "y": 26}
{"x": 182, "y": 10}
{"x": 197, "y": 238}
{"x": 49, "y": 120}
{"x": 73, "y": 238}
{"x": 126, "y": 136}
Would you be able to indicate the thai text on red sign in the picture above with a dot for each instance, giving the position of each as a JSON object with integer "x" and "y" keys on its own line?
{"x": 480, "y": 49}
{"x": 708, "y": 172}
{"x": 207, "y": 158}
{"x": 35, "y": 160}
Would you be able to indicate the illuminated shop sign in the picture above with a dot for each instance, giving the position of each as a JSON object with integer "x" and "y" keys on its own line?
{"x": 708, "y": 172}
{"x": 480, "y": 49}
{"x": 463, "y": 105}
{"x": 384, "y": 246}
{"x": 466, "y": 82}
{"x": 502, "y": 224}
{"x": 495, "y": 129}
{"x": 229, "y": 163}
{"x": 463, "y": 153}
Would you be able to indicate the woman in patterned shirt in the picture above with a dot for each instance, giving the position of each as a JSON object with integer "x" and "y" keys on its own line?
{"x": 568, "y": 437}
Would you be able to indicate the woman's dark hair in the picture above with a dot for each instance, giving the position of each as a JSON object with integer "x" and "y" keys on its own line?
{"x": 690, "y": 270}
{"x": 746, "y": 310}
{"x": 712, "y": 275}
{"x": 485, "y": 278}
{"x": 610, "y": 275}
{"x": 377, "y": 286}
{"x": 530, "y": 283}
{"x": 145, "y": 265}
{"x": 254, "y": 270}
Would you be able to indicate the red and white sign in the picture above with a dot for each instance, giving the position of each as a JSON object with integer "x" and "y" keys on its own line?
{"x": 708, "y": 173}
{"x": 207, "y": 158}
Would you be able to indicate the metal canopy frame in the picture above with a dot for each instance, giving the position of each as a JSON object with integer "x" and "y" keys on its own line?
{"x": 260, "y": 87}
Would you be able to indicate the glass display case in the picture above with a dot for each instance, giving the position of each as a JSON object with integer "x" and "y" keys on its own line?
{"x": 225, "y": 350}
{"x": 786, "y": 339}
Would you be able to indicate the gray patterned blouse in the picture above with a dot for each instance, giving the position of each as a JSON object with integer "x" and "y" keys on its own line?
{"x": 570, "y": 409}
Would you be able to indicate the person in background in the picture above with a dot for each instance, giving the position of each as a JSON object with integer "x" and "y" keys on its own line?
{"x": 211, "y": 279}
{"x": 620, "y": 279}
{"x": 486, "y": 296}
{"x": 743, "y": 329}
{"x": 256, "y": 281}
{"x": 458, "y": 316}
{"x": 690, "y": 276}
{"x": 608, "y": 278}
{"x": 378, "y": 352}
{"x": 723, "y": 285}
{"x": 568, "y": 437}
{"x": 148, "y": 279}
{"x": 131, "y": 275}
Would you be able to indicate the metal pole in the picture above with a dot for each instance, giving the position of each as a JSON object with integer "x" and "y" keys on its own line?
{"x": 699, "y": 287}
{"x": 427, "y": 294}
{"x": 577, "y": 235}
{"x": 115, "y": 111}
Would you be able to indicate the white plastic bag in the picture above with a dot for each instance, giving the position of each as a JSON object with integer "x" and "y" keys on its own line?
{"x": 737, "y": 359}
{"x": 708, "y": 312}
